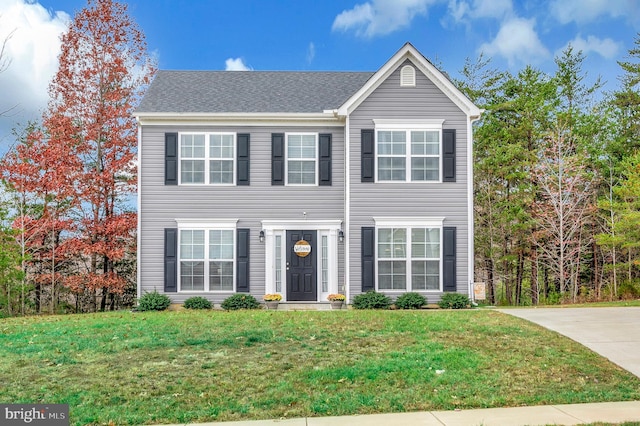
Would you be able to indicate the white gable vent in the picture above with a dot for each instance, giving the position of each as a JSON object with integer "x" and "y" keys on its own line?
{"x": 408, "y": 76}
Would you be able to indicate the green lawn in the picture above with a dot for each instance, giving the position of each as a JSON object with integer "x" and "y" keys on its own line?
{"x": 171, "y": 367}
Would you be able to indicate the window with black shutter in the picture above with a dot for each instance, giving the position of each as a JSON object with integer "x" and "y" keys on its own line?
{"x": 170, "y": 158}
{"x": 277, "y": 159}
{"x": 170, "y": 260}
{"x": 449, "y": 258}
{"x": 243, "y": 159}
{"x": 368, "y": 258}
{"x": 324, "y": 168}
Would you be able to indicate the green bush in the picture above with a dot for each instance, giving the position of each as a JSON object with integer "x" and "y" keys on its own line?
{"x": 454, "y": 301}
{"x": 153, "y": 301}
{"x": 371, "y": 300}
{"x": 553, "y": 298}
{"x": 240, "y": 301}
{"x": 197, "y": 302}
{"x": 628, "y": 290}
{"x": 410, "y": 301}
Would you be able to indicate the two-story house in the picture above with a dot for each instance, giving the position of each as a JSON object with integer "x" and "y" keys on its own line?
{"x": 306, "y": 183}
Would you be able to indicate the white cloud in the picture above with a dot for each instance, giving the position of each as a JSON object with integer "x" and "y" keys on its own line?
{"x": 492, "y": 8}
{"x": 236, "y": 64}
{"x": 583, "y": 11}
{"x": 517, "y": 41}
{"x": 380, "y": 17}
{"x": 607, "y": 48}
{"x": 33, "y": 50}
{"x": 497, "y": 9}
{"x": 458, "y": 9}
{"x": 311, "y": 52}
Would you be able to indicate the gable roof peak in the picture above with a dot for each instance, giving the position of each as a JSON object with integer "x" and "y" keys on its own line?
{"x": 439, "y": 78}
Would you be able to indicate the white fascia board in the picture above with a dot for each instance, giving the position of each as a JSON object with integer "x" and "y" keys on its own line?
{"x": 432, "y": 73}
{"x": 449, "y": 89}
{"x": 239, "y": 119}
{"x": 372, "y": 84}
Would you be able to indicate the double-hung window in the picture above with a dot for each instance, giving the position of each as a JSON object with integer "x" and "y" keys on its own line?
{"x": 207, "y": 258}
{"x": 302, "y": 154}
{"x": 392, "y": 155}
{"x": 408, "y": 151}
{"x": 221, "y": 250}
{"x": 221, "y": 158}
{"x": 192, "y": 158}
{"x": 425, "y": 155}
{"x": 207, "y": 158}
{"x": 409, "y": 256}
{"x": 192, "y": 259}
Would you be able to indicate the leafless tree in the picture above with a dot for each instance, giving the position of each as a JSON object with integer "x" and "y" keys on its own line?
{"x": 5, "y": 61}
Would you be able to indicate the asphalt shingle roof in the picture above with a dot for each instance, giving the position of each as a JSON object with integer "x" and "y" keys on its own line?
{"x": 250, "y": 91}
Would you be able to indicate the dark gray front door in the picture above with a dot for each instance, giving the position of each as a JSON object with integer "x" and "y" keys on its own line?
{"x": 301, "y": 271}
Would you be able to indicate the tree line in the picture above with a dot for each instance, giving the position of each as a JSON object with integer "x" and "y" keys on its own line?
{"x": 556, "y": 182}
{"x": 556, "y": 178}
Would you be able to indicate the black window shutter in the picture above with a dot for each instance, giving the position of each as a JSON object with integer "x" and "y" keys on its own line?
{"x": 368, "y": 161}
{"x": 448, "y": 155}
{"x": 277, "y": 159}
{"x": 170, "y": 260}
{"x": 243, "y": 159}
{"x": 449, "y": 258}
{"x": 242, "y": 261}
{"x": 368, "y": 258}
{"x": 324, "y": 170}
{"x": 170, "y": 158}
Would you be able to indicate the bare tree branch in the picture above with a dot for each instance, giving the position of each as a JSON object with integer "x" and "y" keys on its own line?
{"x": 4, "y": 64}
{"x": 4, "y": 60}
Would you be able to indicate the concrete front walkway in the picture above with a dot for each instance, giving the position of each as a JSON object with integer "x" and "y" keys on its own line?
{"x": 575, "y": 414}
{"x": 613, "y": 332}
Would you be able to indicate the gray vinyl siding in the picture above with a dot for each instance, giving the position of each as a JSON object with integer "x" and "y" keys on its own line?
{"x": 160, "y": 205}
{"x": 409, "y": 199}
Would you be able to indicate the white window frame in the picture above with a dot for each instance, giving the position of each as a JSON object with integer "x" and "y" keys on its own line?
{"x": 206, "y": 226}
{"x": 408, "y": 126}
{"x": 286, "y": 158}
{"x": 207, "y": 158}
{"x": 408, "y": 223}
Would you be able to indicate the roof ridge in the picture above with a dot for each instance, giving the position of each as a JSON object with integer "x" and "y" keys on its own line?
{"x": 271, "y": 71}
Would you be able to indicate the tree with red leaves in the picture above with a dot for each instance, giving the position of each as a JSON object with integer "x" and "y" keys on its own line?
{"x": 40, "y": 198}
{"x": 104, "y": 68}
{"x": 83, "y": 163}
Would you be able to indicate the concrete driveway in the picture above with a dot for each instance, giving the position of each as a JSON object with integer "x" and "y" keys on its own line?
{"x": 611, "y": 332}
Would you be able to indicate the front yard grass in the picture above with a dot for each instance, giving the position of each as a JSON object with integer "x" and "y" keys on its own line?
{"x": 194, "y": 366}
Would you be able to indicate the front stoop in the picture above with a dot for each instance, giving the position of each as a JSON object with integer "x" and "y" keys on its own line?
{"x": 304, "y": 306}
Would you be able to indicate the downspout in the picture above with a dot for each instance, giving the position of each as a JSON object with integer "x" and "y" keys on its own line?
{"x": 347, "y": 209}
{"x": 471, "y": 257}
{"x": 138, "y": 204}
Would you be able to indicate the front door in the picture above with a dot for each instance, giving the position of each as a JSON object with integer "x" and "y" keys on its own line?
{"x": 301, "y": 266}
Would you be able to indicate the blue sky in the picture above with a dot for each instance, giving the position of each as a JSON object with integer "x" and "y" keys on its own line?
{"x": 324, "y": 35}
